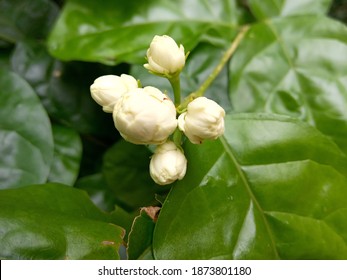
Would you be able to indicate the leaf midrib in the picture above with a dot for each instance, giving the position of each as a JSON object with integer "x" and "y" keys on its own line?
{"x": 250, "y": 193}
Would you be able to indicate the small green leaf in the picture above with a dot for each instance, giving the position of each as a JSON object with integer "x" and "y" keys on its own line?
{"x": 270, "y": 188}
{"x": 20, "y": 19}
{"x": 67, "y": 155}
{"x": 141, "y": 234}
{"x": 53, "y": 221}
{"x": 121, "y": 31}
{"x": 282, "y": 66}
{"x": 126, "y": 171}
{"x": 25, "y": 134}
{"x": 264, "y": 9}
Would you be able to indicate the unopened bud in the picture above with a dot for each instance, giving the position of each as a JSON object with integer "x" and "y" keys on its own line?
{"x": 168, "y": 164}
{"x": 106, "y": 90}
{"x": 165, "y": 57}
{"x": 204, "y": 119}
{"x": 145, "y": 116}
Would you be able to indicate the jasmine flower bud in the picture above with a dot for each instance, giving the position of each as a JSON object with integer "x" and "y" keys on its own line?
{"x": 145, "y": 116}
{"x": 204, "y": 119}
{"x": 168, "y": 164}
{"x": 106, "y": 90}
{"x": 165, "y": 57}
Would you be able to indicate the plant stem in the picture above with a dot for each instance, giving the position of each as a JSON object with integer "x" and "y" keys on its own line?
{"x": 176, "y": 86}
{"x": 225, "y": 58}
{"x": 222, "y": 62}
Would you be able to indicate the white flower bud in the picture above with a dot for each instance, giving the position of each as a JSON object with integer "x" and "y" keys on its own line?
{"x": 164, "y": 56}
{"x": 106, "y": 90}
{"x": 145, "y": 116}
{"x": 168, "y": 164}
{"x": 204, "y": 119}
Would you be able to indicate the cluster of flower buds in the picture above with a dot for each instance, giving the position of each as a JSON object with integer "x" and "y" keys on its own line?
{"x": 148, "y": 116}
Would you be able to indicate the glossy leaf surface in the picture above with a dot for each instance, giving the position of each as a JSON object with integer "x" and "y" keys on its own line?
{"x": 54, "y": 221}
{"x": 263, "y": 9}
{"x": 25, "y": 134}
{"x": 119, "y": 31}
{"x": 297, "y": 67}
{"x": 67, "y": 155}
{"x": 252, "y": 195}
{"x": 63, "y": 87}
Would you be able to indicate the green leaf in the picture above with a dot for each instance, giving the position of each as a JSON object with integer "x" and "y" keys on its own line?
{"x": 282, "y": 66}
{"x": 141, "y": 234}
{"x": 67, "y": 155}
{"x": 270, "y": 188}
{"x": 338, "y": 10}
{"x": 264, "y": 9}
{"x": 121, "y": 31}
{"x": 200, "y": 63}
{"x": 126, "y": 172}
{"x": 25, "y": 134}
{"x": 5, "y": 57}
{"x": 98, "y": 191}
{"x": 63, "y": 88}
{"x": 54, "y": 221}
{"x": 20, "y": 19}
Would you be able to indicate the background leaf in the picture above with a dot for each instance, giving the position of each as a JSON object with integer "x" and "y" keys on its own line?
{"x": 126, "y": 172}
{"x": 254, "y": 196}
{"x": 25, "y": 134}
{"x": 54, "y": 221}
{"x": 282, "y": 66}
{"x": 20, "y": 19}
{"x": 67, "y": 155}
{"x": 264, "y": 9}
{"x": 98, "y": 191}
{"x": 64, "y": 87}
{"x": 105, "y": 33}
{"x": 338, "y": 10}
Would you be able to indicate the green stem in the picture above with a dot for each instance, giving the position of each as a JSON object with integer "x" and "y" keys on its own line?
{"x": 176, "y": 86}
{"x": 225, "y": 58}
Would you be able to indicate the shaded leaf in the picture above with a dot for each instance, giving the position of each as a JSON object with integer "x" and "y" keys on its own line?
{"x": 126, "y": 171}
{"x": 338, "y": 10}
{"x": 54, "y": 221}
{"x": 141, "y": 235}
{"x": 20, "y": 19}
{"x": 67, "y": 155}
{"x": 255, "y": 196}
{"x": 25, "y": 134}
{"x": 105, "y": 33}
{"x": 264, "y": 9}
{"x": 98, "y": 191}
{"x": 63, "y": 87}
{"x": 283, "y": 66}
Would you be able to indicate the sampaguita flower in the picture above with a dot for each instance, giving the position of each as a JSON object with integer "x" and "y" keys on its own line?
{"x": 164, "y": 56}
{"x": 168, "y": 164}
{"x": 145, "y": 116}
{"x": 204, "y": 119}
{"x": 106, "y": 90}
